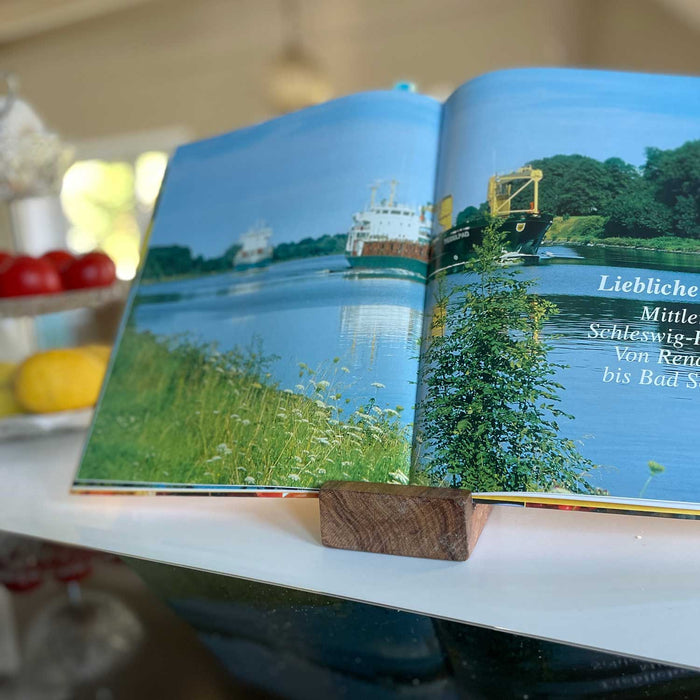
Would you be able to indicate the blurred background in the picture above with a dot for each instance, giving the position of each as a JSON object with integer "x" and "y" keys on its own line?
{"x": 123, "y": 82}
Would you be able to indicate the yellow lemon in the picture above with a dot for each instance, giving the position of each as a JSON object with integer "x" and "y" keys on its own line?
{"x": 101, "y": 351}
{"x": 59, "y": 380}
{"x": 8, "y": 404}
{"x": 7, "y": 369}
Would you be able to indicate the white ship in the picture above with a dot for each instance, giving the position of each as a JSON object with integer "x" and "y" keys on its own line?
{"x": 256, "y": 250}
{"x": 389, "y": 235}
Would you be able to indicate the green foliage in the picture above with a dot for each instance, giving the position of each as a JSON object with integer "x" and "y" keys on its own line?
{"x": 175, "y": 261}
{"x": 578, "y": 185}
{"x": 491, "y": 417}
{"x": 583, "y": 229}
{"x": 638, "y": 214}
{"x": 166, "y": 261}
{"x": 674, "y": 178}
{"x": 589, "y": 229}
{"x": 654, "y": 470}
{"x": 311, "y": 247}
{"x": 660, "y": 199}
{"x": 180, "y": 412}
{"x": 472, "y": 214}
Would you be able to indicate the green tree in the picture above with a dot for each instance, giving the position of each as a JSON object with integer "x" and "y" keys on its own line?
{"x": 311, "y": 247}
{"x": 674, "y": 178}
{"x": 577, "y": 185}
{"x": 490, "y": 419}
{"x": 164, "y": 261}
{"x": 638, "y": 214}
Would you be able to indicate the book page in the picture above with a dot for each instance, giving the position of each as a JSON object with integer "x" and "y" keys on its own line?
{"x": 271, "y": 343}
{"x": 562, "y": 351}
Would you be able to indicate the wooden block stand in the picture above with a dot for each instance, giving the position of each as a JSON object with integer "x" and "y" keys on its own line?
{"x": 412, "y": 521}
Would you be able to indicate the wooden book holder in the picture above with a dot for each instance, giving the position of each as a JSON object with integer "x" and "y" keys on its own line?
{"x": 412, "y": 521}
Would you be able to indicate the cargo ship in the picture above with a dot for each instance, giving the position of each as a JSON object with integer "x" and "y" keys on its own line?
{"x": 255, "y": 250}
{"x": 524, "y": 228}
{"x": 390, "y": 235}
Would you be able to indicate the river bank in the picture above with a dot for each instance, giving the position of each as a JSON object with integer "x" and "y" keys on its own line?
{"x": 588, "y": 230}
{"x": 206, "y": 417}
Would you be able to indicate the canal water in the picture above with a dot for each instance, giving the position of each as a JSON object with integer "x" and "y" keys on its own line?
{"x": 358, "y": 331}
{"x": 622, "y": 426}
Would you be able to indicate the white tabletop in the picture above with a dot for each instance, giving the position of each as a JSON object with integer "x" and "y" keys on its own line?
{"x": 623, "y": 583}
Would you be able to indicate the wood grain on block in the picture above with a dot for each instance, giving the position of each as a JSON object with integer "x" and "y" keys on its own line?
{"x": 413, "y": 521}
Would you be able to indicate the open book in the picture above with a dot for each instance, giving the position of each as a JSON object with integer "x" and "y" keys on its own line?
{"x": 500, "y": 293}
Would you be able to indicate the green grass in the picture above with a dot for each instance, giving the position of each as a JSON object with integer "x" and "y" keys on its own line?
{"x": 666, "y": 244}
{"x": 575, "y": 229}
{"x": 180, "y": 412}
{"x": 589, "y": 229}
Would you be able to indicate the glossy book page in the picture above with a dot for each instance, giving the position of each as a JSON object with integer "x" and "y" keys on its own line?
{"x": 562, "y": 355}
{"x": 272, "y": 340}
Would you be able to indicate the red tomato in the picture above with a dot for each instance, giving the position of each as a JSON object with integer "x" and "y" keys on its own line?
{"x": 92, "y": 270}
{"x": 26, "y": 275}
{"x": 5, "y": 259}
{"x": 60, "y": 259}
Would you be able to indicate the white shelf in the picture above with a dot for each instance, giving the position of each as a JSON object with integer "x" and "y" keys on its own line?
{"x": 38, "y": 304}
{"x": 623, "y": 583}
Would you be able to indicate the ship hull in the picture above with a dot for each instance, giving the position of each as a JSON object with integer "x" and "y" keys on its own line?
{"x": 454, "y": 247}
{"x": 394, "y": 254}
{"x": 375, "y": 262}
{"x": 242, "y": 267}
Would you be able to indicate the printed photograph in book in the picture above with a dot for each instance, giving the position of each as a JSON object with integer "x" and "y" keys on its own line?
{"x": 272, "y": 341}
{"x": 562, "y": 343}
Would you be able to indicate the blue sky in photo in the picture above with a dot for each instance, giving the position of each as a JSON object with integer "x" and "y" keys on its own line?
{"x": 304, "y": 174}
{"x": 503, "y": 120}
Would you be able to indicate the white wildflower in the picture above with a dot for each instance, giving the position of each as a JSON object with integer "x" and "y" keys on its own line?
{"x": 249, "y": 480}
{"x": 399, "y": 477}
